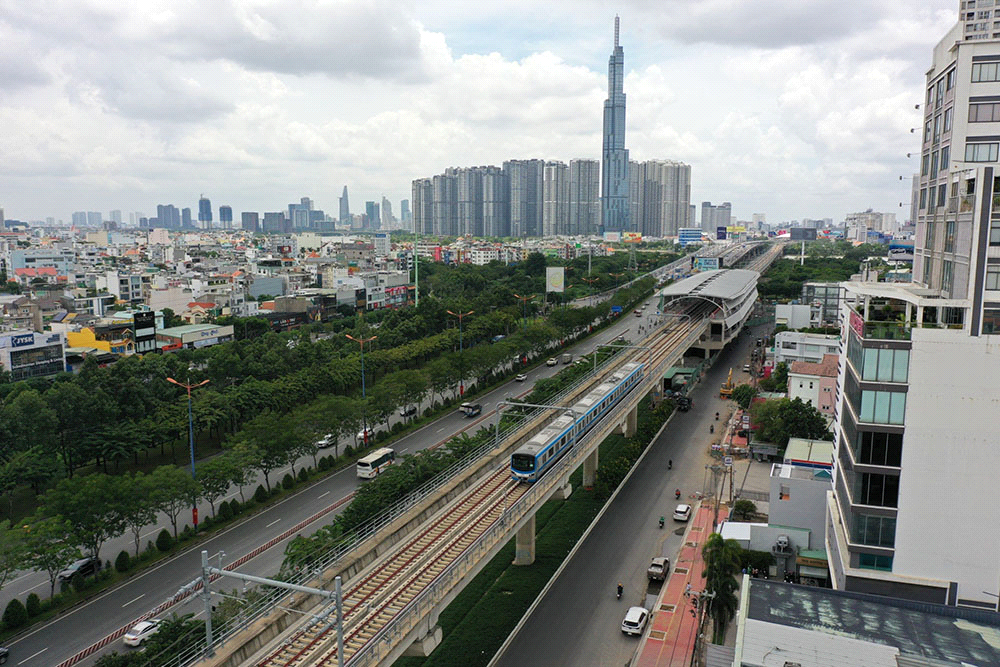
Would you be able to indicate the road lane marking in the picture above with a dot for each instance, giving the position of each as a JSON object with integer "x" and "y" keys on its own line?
{"x": 272, "y": 523}
{"x": 34, "y": 656}
{"x": 133, "y": 600}
{"x": 323, "y": 494}
{"x": 441, "y": 429}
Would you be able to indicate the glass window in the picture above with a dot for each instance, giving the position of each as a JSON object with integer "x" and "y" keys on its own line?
{"x": 950, "y": 80}
{"x": 928, "y": 270}
{"x": 995, "y": 230}
{"x": 930, "y": 196}
{"x": 934, "y": 163}
{"x": 949, "y": 115}
{"x": 929, "y": 235}
{"x": 870, "y": 364}
{"x": 991, "y": 321}
{"x": 981, "y": 152}
{"x": 993, "y": 276}
{"x": 927, "y": 131}
{"x": 942, "y": 194}
{"x": 984, "y": 72}
{"x": 882, "y": 407}
{"x": 923, "y": 198}
{"x": 939, "y": 97}
{"x": 930, "y": 95}
{"x": 925, "y": 165}
{"x": 878, "y": 449}
{"x": 937, "y": 128}
{"x": 876, "y": 531}
{"x": 949, "y": 236}
{"x": 900, "y": 365}
{"x": 873, "y": 562}
{"x": 945, "y": 156}
{"x": 947, "y": 278}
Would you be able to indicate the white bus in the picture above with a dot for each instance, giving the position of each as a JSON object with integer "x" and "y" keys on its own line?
{"x": 373, "y": 464}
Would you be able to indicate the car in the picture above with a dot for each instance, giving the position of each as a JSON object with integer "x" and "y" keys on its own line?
{"x": 328, "y": 440}
{"x": 746, "y": 368}
{"x": 142, "y": 631}
{"x": 682, "y": 512}
{"x": 620, "y": 339}
{"x": 408, "y": 410}
{"x": 4, "y": 654}
{"x": 635, "y": 621}
{"x": 552, "y": 362}
{"x": 520, "y": 377}
{"x": 82, "y": 567}
{"x": 658, "y": 568}
{"x": 365, "y": 434}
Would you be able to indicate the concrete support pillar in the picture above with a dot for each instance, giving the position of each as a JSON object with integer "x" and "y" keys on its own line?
{"x": 589, "y": 469}
{"x": 629, "y": 425}
{"x": 920, "y": 316}
{"x": 425, "y": 645}
{"x": 909, "y": 313}
{"x": 564, "y": 491}
{"x": 524, "y": 553}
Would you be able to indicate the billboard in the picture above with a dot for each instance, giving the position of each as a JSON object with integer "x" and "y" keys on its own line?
{"x": 631, "y": 237}
{"x": 720, "y": 233}
{"x": 736, "y": 229}
{"x": 555, "y": 280}
{"x": 706, "y": 263}
{"x": 612, "y": 237}
{"x": 802, "y": 233}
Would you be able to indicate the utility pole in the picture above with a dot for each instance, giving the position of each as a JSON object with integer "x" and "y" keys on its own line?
{"x": 702, "y": 601}
{"x": 188, "y": 386}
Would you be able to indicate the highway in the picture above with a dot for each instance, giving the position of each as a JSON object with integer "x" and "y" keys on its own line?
{"x": 86, "y": 624}
{"x": 578, "y": 621}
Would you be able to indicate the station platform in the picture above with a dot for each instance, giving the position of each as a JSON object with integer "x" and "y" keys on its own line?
{"x": 671, "y": 638}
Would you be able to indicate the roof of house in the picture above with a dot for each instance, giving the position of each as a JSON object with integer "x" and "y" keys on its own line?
{"x": 829, "y": 367}
{"x": 207, "y": 305}
{"x": 40, "y": 271}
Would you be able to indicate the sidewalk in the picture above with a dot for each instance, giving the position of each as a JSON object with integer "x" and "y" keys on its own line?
{"x": 672, "y": 631}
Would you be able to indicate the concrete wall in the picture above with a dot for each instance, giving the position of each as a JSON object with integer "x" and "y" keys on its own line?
{"x": 802, "y": 505}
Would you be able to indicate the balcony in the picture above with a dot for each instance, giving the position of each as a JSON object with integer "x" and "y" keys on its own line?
{"x": 887, "y": 331}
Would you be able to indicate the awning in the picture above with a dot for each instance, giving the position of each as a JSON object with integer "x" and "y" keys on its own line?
{"x": 813, "y": 572}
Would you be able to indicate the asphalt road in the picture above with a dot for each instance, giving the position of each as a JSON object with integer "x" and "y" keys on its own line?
{"x": 578, "y": 621}
{"x": 88, "y": 623}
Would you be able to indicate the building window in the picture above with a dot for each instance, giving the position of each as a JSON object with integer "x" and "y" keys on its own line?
{"x": 950, "y": 80}
{"x": 928, "y": 270}
{"x": 947, "y": 269}
{"x": 927, "y": 131}
{"x": 948, "y": 117}
{"x": 984, "y": 72}
{"x": 995, "y": 230}
{"x": 942, "y": 194}
{"x": 982, "y": 152}
{"x": 878, "y": 490}
{"x": 923, "y": 198}
{"x": 874, "y": 531}
{"x": 984, "y": 113}
{"x": 991, "y": 321}
{"x": 879, "y": 449}
{"x": 939, "y": 98}
{"x": 929, "y": 233}
{"x": 873, "y": 562}
{"x": 993, "y": 276}
{"x": 925, "y": 165}
{"x": 884, "y": 365}
{"x": 949, "y": 236}
{"x": 937, "y": 133}
{"x": 945, "y": 156}
{"x": 883, "y": 407}
{"x": 930, "y": 197}
{"x": 934, "y": 163}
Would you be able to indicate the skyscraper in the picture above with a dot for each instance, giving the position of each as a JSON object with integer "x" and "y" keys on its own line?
{"x": 226, "y": 217}
{"x": 204, "y": 213}
{"x": 614, "y": 157}
{"x": 345, "y": 208}
{"x": 404, "y": 214}
{"x": 185, "y": 218}
{"x": 584, "y": 197}
{"x": 661, "y": 194}
{"x": 387, "y": 218}
{"x": 526, "y": 191}
{"x": 555, "y": 199}
{"x": 423, "y": 206}
{"x": 371, "y": 211}
{"x": 251, "y": 221}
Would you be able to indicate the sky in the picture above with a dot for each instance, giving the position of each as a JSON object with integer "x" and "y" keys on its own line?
{"x": 791, "y": 108}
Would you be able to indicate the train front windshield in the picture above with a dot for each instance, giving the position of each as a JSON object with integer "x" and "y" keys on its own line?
{"x": 523, "y": 462}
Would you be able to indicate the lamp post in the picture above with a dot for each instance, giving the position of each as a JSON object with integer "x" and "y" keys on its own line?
{"x": 364, "y": 407}
{"x": 591, "y": 281}
{"x": 188, "y": 386}
{"x": 461, "y": 356}
{"x": 617, "y": 277}
{"x": 524, "y": 303}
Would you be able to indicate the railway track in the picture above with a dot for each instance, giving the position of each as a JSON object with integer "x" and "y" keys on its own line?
{"x": 388, "y": 587}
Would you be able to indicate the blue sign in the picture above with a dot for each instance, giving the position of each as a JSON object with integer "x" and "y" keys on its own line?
{"x": 22, "y": 339}
{"x": 720, "y": 233}
{"x": 616, "y": 309}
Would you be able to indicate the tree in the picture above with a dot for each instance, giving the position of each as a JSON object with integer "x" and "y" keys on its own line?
{"x": 173, "y": 490}
{"x": 49, "y": 546}
{"x": 11, "y": 551}
{"x": 744, "y": 394}
{"x": 722, "y": 564}
{"x": 215, "y": 476}
{"x": 244, "y": 467}
{"x": 93, "y": 506}
{"x": 139, "y": 509}
{"x": 743, "y": 510}
{"x": 267, "y": 443}
{"x": 779, "y": 420}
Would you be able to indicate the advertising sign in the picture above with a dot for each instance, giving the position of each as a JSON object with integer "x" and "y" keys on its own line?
{"x": 612, "y": 237}
{"x": 736, "y": 229}
{"x": 720, "y": 233}
{"x": 706, "y": 263}
{"x": 616, "y": 309}
{"x": 631, "y": 237}
{"x": 555, "y": 280}
{"x": 858, "y": 324}
{"x": 21, "y": 340}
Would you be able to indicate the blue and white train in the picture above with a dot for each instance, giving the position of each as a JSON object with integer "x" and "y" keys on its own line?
{"x": 530, "y": 461}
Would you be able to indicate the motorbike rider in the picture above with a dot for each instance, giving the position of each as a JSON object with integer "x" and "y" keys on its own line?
{"x": 620, "y": 589}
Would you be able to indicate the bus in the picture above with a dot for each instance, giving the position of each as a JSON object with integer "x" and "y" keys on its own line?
{"x": 373, "y": 464}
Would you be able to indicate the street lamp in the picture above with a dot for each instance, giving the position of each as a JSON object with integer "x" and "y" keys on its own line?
{"x": 188, "y": 386}
{"x": 617, "y": 277}
{"x": 461, "y": 356}
{"x": 524, "y": 302}
{"x": 364, "y": 406}
{"x": 591, "y": 281}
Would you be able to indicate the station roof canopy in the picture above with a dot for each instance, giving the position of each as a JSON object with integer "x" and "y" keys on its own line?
{"x": 719, "y": 284}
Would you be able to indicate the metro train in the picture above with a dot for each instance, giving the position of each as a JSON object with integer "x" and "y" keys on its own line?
{"x": 530, "y": 461}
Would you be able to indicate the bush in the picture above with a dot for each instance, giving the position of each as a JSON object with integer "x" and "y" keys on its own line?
{"x": 348, "y": 450}
{"x": 287, "y": 481}
{"x": 759, "y": 560}
{"x": 34, "y": 605}
{"x": 303, "y": 475}
{"x": 276, "y": 491}
{"x": 324, "y": 463}
{"x": 260, "y": 495}
{"x": 15, "y": 615}
{"x": 123, "y": 562}
{"x": 164, "y": 541}
{"x": 79, "y": 582}
{"x": 186, "y": 534}
{"x": 235, "y": 507}
{"x": 225, "y": 511}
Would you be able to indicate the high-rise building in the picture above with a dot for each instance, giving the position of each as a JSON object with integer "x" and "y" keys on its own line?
{"x": 715, "y": 216}
{"x": 917, "y": 387}
{"x": 250, "y": 221}
{"x": 405, "y": 219}
{"x": 445, "y": 202}
{"x": 584, "y": 197}
{"x": 373, "y": 220}
{"x": 204, "y": 213}
{"x": 387, "y": 219}
{"x": 496, "y": 202}
{"x": 555, "y": 199}
{"x": 345, "y": 208}
{"x": 167, "y": 216}
{"x": 275, "y": 222}
{"x": 226, "y": 217}
{"x": 1, "y": 217}
{"x": 95, "y": 218}
{"x": 660, "y": 192}
{"x": 469, "y": 201}
{"x": 525, "y": 178}
{"x": 116, "y": 216}
{"x": 614, "y": 156}
{"x": 300, "y": 214}
{"x": 79, "y": 218}
{"x": 423, "y": 206}
{"x": 186, "y": 222}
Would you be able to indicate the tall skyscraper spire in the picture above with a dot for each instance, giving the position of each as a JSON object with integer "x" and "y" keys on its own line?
{"x": 615, "y": 211}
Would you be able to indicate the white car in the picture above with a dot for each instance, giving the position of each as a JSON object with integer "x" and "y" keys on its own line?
{"x": 635, "y": 621}
{"x": 326, "y": 441}
{"x": 142, "y": 631}
{"x": 366, "y": 434}
{"x": 682, "y": 512}
{"x": 520, "y": 377}
{"x": 552, "y": 362}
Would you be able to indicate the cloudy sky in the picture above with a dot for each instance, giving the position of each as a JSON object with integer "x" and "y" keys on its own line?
{"x": 793, "y": 108}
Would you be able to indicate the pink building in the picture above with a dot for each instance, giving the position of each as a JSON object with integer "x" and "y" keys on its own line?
{"x": 815, "y": 384}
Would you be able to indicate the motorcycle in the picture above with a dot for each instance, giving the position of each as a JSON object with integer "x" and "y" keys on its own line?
{"x": 711, "y": 428}
{"x": 619, "y": 596}
{"x": 677, "y": 494}
{"x": 670, "y": 464}
{"x": 661, "y": 522}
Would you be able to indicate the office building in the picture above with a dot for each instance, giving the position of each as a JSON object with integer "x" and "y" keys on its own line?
{"x": 423, "y": 205}
{"x": 204, "y": 213}
{"x": 250, "y": 221}
{"x": 94, "y": 219}
{"x": 345, "y": 208}
{"x": 555, "y": 199}
{"x": 300, "y": 215}
{"x": 79, "y": 218}
{"x": 387, "y": 219}
{"x": 167, "y": 216}
{"x": 713, "y": 217}
{"x": 276, "y": 223}
{"x": 226, "y": 217}
{"x": 584, "y": 197}
{"x": 28, "y": 354}
{"x": 186, "y": 218}
{"x": 917, "y": 390}
{"x": 614, "y": 156}
{"x": 116, "y": 217}
{"x": 405, "y": 219}
{"x": 372, "y": 219}
{"x": 660, "y": 197}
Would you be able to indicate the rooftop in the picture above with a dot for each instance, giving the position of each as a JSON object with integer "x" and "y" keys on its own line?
{"x": 826, "y": 368}
{"x": 719, "y": 284}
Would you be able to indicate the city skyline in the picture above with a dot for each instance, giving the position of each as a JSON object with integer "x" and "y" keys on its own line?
{"x": 223, "y": 112}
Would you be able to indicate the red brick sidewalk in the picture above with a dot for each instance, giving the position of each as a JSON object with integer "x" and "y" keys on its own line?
{"x": 672, "y": 632}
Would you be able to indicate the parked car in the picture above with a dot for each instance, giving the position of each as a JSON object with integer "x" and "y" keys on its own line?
{"x": 83, "y": 567}
{"x": 552, "y": 362}
{"x": 142, "y": 631}
{"x": 520, "y": 377}
{"x": 682, "y": 512}
{"x": 658, "y": 568}
{"x": 635, "y": 621}
{"x": 408, "y": 410}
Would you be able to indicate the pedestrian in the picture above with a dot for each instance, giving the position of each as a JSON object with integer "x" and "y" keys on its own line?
{"x": 687, "y": 589}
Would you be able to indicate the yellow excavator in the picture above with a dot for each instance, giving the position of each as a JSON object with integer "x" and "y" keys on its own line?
{"x": 726, "y": 391}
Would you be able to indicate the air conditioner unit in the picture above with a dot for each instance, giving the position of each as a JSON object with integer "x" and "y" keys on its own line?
{"x": 782, "y": 542}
